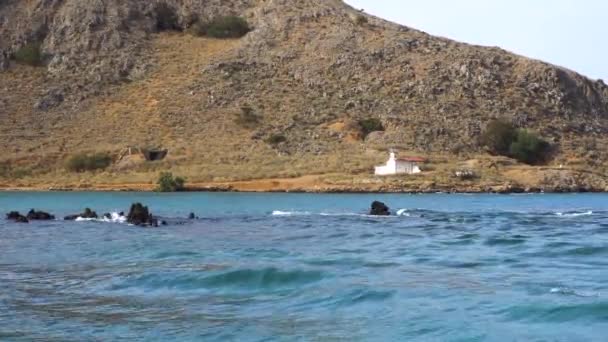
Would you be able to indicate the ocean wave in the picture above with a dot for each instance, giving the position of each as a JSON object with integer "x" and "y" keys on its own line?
{"x": 570, "y": 292}
{"x": 574, "y": 214}
{"x": 290, "y": 213}
{"x": 114, "y": 218}
{"x": 402, "y": 212}
{"x": 245, "y": 279}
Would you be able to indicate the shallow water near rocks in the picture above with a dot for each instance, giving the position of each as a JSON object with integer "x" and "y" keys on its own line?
{"x": 266, "y": 267}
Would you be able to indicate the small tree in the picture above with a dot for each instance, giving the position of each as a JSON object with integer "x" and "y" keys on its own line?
{"x": 167, "y": 183}
{"x": 498, "y": 137}
{"x": 529, "y": 148}
{"x": 370, "y": 125}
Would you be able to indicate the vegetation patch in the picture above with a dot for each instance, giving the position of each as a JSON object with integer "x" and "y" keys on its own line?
{"x": 529, "y": 148}
{"x": 276, "y": 139}
{"x": 221, "y": 27}
{"x": 166, "y": 18}
{"x": 360, "y": 20}
{"x": 29, "y": 54}
{"x": 370, "y": 125}
{"x": 88, "y": 162}
{"x": 168, "y": 183}
{"x": 247, "y": 117}
{"x": 7, "y": 171}
{"x": 502, "y": 138}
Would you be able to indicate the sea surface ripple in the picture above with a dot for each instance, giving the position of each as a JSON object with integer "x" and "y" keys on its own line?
{"x": 302, "y": 267}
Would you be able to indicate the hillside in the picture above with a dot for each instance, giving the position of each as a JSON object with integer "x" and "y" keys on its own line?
{"x": 113, "y": 75}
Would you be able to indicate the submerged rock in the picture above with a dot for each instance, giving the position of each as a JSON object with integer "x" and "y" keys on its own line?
{"x": 17, "y": 217}
{"x": 87, "y": 214}
{"x": 379, "y": 209}
{"x": 139, "y": 215}
{"x": 34, "y": 215}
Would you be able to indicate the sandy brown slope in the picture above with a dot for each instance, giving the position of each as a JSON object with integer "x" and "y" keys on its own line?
{"x": 309, "y": 69}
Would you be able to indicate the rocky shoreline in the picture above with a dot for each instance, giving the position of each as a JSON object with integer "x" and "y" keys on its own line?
{"x": 329, "y": 189}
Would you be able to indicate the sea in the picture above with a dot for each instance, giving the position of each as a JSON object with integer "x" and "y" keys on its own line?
{"x": 307, "y": 267}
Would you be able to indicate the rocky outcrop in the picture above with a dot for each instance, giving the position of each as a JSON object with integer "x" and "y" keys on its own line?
{"x": 379, "y": 209}
{"x": 139, "y": 215}
{"x": 34, "y": 215}
{"x": 16, "y": 217}
{"x": 87, "y": 214}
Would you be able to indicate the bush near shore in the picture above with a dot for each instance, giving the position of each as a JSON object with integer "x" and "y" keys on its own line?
{"x": 88, "y": 162}
{"x": 503, "y": 138}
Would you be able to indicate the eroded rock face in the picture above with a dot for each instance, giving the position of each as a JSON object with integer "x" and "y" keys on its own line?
{"x": 379, "y": 209}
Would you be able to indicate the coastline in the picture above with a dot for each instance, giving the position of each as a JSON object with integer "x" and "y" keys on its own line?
{"x": 310, "y": 184}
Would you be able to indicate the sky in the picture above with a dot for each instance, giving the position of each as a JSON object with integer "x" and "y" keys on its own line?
{"x": 569, "y": 33}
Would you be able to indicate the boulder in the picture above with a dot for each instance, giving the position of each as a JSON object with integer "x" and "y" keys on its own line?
{"x": 34, "y": 215}
{"x": 139, "y": 215}
{"x": 17, "y": 217}
{"x": 88, "y": 214}
{"x": 379, "y": 209}
{"x": 192, "y": 216}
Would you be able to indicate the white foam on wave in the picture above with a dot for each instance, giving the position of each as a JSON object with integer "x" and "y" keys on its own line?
{"x": 114, "y": 218}
{"x": 403, "y": 212}
{"x": 571, "y": 292}
{"x": 289, "y": 213}
{"x": 307, "y": 213}
{"x": 574, "y": 214}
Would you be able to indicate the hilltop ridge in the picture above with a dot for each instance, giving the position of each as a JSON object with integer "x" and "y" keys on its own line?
{"x": 309, "y": 71}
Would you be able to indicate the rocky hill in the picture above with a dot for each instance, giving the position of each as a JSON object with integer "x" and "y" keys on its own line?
{"x": 113, "y": 74}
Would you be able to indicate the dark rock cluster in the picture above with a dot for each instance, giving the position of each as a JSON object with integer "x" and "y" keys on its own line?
{"x": 139, "y": 215}
{"x": 379, "y": 209}
{"x": 87, "y": 214}
{"x": 16, "y": 217}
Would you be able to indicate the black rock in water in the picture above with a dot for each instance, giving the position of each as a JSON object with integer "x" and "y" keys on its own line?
{"x": 34, "y": 215}
{"x": 139, "y": 215}
{"x": 17, "y": 217}
{"x": 88, "y": 214}
{"x": 192, "y": 216}
{"x": 379, "y": 209}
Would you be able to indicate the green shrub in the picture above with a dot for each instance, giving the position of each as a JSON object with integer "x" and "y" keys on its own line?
{"x": 226, "y": 27}
{"x": 247, "y": 117}
{"x": 498, "y": 137}
{"x": 88, "y": 162}
{"x": 167, "y": 183}
{"x": 360, "y": 20}
{"x": 276, "y": 139}
{"x": 29, "y": 54}
{"x": 529, "y": 148}
{"x": 166, "y": 18}
{"x": 370, "y": 125}
{"x": 502, "y": 138}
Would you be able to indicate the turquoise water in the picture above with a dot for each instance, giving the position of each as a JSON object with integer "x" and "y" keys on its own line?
{"x": 285, "y": 267}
